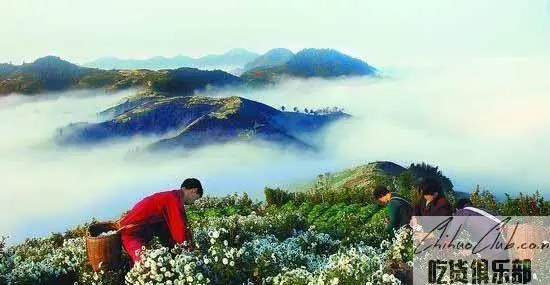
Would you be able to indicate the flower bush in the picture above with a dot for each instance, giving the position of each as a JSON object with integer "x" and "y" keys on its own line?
{"x": 292, "y": 244}
{"x": 41, "y": 261}
{"x": 168, "y": 266}
{"x": 308, "y": 257}
{"x": 6, "y": 262}
{"x": 292, "y": 241}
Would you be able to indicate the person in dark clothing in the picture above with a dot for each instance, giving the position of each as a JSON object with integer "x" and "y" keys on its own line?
{"x": 432, "y": 203}
{"x": 399, "y": 209}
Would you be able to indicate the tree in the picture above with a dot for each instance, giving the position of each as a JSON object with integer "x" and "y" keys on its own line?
{"x": 404, "y": 184}
{"x": 484, "y": 199}
{"x": 424, "y": 170}
{"x": 296, "y": 109}
{"x": 306, "y": 110}
{"x": 283, "y": 108}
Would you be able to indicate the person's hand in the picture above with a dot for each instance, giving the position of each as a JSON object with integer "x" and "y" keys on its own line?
{"x": 413, "y": 222}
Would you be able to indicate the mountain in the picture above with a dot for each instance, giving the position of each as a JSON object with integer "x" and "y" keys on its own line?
{"x": 398, "y": 178}
{"x": 46, "y": 73}
{"x": 229, "y": 61}
{"x": 51, "y": 73}
{"x": 368, "y": 175}
{"x": 194, "y": 121}
{"x": 6, "y": 68}
{"x": 274, "y": 57}
{"x": 186, "y": 80}
{"x": 235, "y": 57}
{"x": 311, "y": 63}
{"x": 153, "y": 63}
{"x": 361, "y": 177}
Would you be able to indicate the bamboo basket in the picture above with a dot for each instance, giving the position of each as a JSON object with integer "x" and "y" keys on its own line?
{"x": 103, "y": 252}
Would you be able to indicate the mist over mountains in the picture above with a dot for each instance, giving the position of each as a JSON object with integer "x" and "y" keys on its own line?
{"x": 486, "y": 133}
{"x": 52, "y": 73}
{"x": 231, "y": 61}
{"x": 196, "y": 121}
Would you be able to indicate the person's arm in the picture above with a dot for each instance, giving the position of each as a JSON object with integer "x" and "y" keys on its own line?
{"x": 176, "y": 220}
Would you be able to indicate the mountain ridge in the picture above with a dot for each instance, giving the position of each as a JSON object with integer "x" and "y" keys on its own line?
{"x": 324, "y": 63}
{"x": 234, "y": 57}
{"x": 195, "y": 121}
{"x": 52, "y": 73}
{"x": 273, "y": 57}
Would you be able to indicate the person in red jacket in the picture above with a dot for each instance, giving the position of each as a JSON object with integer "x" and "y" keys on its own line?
{"x": 161, "y": 214}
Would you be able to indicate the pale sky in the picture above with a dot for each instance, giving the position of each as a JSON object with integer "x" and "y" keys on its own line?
{"x": 376, "y": 31}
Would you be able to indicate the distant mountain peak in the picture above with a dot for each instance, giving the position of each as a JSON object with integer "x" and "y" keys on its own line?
{"x": 52, "y": 60}
{"x": 239, "y": 51}
{"x": 228, "y": 61}
{"x": 273, "y": 57}
{"x": 310, "y": 62}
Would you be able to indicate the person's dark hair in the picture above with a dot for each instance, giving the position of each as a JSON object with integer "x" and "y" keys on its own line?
{"x": 380, "y": 191}
{"x": 463, "y": 202}
{"x": 429, "y": 186}
{"x": 190, "y": 183}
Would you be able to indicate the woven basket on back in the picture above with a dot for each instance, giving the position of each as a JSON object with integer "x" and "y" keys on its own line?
{"x": 103, "y": 251}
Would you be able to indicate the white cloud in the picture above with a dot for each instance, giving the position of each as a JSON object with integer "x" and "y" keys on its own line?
{"x": 482, "y": 121}
{"x": 45, "y": 187}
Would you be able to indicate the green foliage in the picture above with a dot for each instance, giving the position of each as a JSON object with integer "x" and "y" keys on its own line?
{"x": 276, "y": 196}
{"x": 233, "y": 204}
{"x": 424, "y": 170}
{"x": 346, "y": 222}
{"x": 293, "y": 238}
{"x": 484, "y": 199}
{"x": 525, "y": 205}
{"x": 404, "y": 184}
{"x": 521, "y": 205}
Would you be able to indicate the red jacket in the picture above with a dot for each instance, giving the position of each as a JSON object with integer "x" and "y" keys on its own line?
{"x": 160, "y": 207}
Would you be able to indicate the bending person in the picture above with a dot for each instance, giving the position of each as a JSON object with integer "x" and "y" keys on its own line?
{"x": 399, "y": 209}
{"x": 161, "y": 214}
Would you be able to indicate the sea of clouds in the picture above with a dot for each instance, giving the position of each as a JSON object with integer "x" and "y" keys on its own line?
{"x": 482, "y": 121}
